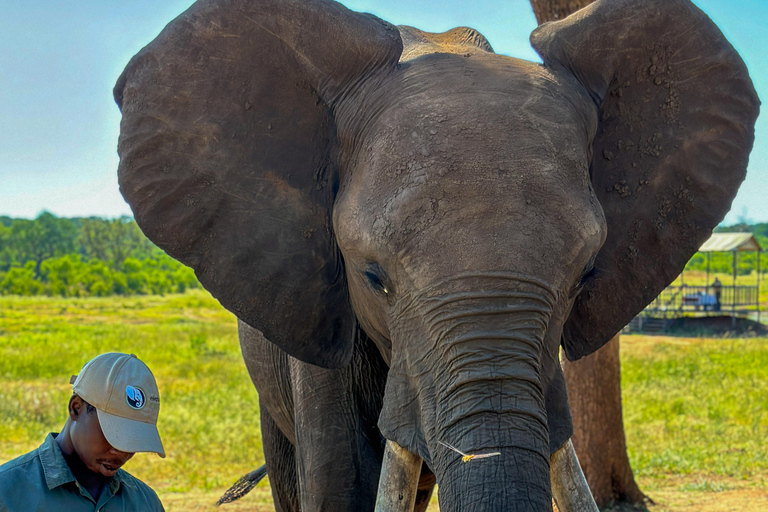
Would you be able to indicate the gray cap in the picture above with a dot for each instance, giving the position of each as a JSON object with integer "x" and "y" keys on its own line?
{"x": 124, "y": 393}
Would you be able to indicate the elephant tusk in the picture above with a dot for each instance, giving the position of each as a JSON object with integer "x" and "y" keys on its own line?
{"x": 569, "y": 487}
{"x": 399, "y": 480}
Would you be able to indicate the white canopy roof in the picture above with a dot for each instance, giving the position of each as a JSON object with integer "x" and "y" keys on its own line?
{"x": 727, "y": 242}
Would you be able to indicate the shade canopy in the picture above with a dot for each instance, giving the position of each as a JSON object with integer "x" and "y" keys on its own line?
{"x": 728, "y": 242}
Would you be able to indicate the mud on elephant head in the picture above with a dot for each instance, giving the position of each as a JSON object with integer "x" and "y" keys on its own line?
{"x": 322, "y": 170}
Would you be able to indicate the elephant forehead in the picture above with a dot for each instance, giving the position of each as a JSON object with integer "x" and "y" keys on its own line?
{"x": 480, "y": 116}
{"x": 482, "y": 127}
{"x": 476, "y": 155}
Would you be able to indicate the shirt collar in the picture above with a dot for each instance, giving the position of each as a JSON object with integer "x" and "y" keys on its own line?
{"x": 55, "y": 468}
{"x": 116, "y": 481}
{"x": 57, "y": 471}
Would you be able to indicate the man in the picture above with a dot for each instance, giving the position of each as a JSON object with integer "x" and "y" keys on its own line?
{"x": 112, "y": 415}
{"x": 717, "y": 286}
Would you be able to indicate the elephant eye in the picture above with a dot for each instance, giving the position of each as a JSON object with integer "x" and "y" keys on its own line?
{"x": 589, "y": 273}
{"x": 376, "y": 277}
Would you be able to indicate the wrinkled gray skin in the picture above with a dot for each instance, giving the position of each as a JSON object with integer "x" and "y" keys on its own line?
{"x": 426, "y": 219}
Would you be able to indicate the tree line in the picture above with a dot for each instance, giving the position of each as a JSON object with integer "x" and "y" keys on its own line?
{"x": 81, "y": 257}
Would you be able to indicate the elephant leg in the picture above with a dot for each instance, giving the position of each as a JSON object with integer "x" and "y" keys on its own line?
{"x": 281, "y": 465}
{"x": 338, "y": 458}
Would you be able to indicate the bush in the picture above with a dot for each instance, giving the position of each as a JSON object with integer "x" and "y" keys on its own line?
{"x": 21, "y": 281}
{"x": 85, "y": 257}
{"x": 73, "y": 276}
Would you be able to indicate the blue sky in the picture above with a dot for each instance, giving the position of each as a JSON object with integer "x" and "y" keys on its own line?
{"x": 59, "y": 60}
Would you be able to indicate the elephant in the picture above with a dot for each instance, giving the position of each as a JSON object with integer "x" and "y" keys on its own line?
{"x": 410, "y": 227}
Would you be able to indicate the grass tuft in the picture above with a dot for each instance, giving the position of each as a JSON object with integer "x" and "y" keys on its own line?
{"x": 706, "y": 485}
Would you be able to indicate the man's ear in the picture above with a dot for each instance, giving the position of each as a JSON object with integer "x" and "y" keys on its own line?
{"x": 76, "y": 407}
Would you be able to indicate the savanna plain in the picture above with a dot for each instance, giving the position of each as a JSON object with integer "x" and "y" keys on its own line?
{"x": 695, "y": 408}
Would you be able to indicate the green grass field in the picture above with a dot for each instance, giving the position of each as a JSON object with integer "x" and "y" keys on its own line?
{"x": 696, "y": 409}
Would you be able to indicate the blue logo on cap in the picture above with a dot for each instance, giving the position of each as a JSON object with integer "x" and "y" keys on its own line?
{"x": 134, "y": 396}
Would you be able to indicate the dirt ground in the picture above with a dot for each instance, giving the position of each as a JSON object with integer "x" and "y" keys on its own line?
{"x": 724, "y": 501}
{"x": 689, "y": 494}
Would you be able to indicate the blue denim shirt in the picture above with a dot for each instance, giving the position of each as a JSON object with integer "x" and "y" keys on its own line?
{"x": 41, "y": 481}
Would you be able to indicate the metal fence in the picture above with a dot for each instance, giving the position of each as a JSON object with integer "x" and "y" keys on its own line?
{"x": 676, "y": 299}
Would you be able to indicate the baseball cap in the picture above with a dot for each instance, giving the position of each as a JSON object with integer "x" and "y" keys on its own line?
{"x": 124, "y": 392}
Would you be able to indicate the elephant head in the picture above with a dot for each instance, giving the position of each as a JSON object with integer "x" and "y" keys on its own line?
{"x": 470, "y": 211}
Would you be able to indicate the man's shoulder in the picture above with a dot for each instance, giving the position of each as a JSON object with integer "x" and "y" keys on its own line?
{"x": 19, "y": 466}
{"x": 138, "y": 489}
{"x": 22, "y": 482}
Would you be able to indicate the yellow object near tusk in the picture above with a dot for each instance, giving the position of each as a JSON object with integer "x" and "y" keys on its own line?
{"x": 467, "y": 458}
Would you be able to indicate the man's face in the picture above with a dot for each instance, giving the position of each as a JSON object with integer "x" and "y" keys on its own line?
{"x": 90, "y": 444}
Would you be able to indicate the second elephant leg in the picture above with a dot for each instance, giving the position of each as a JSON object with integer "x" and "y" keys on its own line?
{"x": 281, "y": 465}
{"x": 338, "y": 461}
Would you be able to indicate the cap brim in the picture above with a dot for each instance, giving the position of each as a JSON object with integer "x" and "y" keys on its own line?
{"x": 130, "y": 436}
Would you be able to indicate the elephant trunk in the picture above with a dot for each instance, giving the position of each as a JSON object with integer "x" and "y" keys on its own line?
{"x": 492, "y": 449}
{"x": 490, "y": 403}
{"x": 469, "y": 397}
{"x": 516, "y": 480}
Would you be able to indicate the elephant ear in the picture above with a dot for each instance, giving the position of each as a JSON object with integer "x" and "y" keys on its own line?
{"x": 228, "y": 156}
{"x": 676, "y": 112}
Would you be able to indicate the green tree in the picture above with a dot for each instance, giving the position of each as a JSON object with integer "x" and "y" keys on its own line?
{"x": 61, "y": 275}
{"x": 114, "y": 240}
{"x": 85, "y": 257}
{"x": 21, "y": 281}
{"x": 45, "y": 237}
{"x": 6, "y": 254}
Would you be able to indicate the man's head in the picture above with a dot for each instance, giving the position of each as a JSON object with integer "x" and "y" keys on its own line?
{"x": 113, "y": 412}
{"x": 89, "y": 442}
